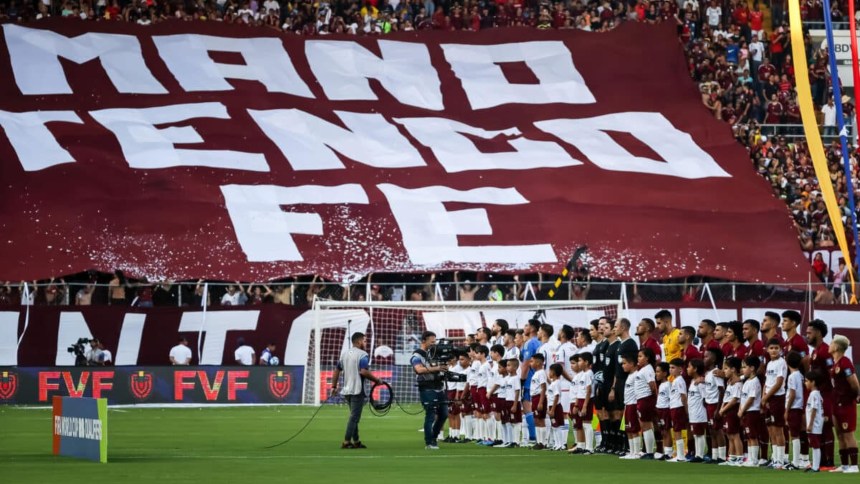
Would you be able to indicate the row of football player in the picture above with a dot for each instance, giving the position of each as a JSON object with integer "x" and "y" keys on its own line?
{"x": 709, "y": 397}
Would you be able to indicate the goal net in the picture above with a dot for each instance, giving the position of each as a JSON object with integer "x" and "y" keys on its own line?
{"x": 393, "y": 330}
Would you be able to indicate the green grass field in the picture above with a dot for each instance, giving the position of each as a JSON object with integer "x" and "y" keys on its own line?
{"x": 226, "y": 445}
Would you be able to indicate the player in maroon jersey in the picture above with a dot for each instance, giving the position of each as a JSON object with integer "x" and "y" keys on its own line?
{"x": 845, "y": 390}
{"x": 720, "y": 335}
{"x": 645, "y": 332}
{"x": 735, "y": 337}
{"x": 793, "y": 340}
{"x": 689, "y": 351}
{"x": 770, "y": 326}
{"x": 756, "y": 347}
{"x": 821, "y": 360}
{"x": 706, "y": 336}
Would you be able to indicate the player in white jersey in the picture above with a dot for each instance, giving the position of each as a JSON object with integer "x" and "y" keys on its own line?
{"x": 495, "y": 382}
{"x": 631, "y": 416}
{"x": 794, "y": 408}
{"x": 696, "y": 410}
{"x": 548, "y": 345}
{"x": 565, "y": 350}
{"x": 471, "y": 418}
{"x": 584, "y": 343}
{"x": 729, "y": 411}
{"x": 538, "y": 386}
{"x": 663, "y": 427}
{"x": 483, "y": 402}
{"x": 678, "y": 407}
{"x": 814, "y": 416}
{"x": 773, "y": 401}
{"x": 513, "y": 428}
{"x": 581, "y": 407}
{"x": 714, "y": 388}
{"x": 750, "y": 408}
{"x": 556, "y": 405}
{"x": 511, "y": 350}
{"x": 645, "y": 387}
{"x": 460, "y": 366}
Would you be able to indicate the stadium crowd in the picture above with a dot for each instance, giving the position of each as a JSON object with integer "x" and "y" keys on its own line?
{"x": 740, "y": 56}
{"x": 733, "y": 394}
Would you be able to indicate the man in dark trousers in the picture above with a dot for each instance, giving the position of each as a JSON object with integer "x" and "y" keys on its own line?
{"x": 354, "y": 364}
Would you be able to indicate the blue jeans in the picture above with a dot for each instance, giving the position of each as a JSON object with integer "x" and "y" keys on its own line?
{"x": 435, "y": 413}
{"x": 356, "y": 404}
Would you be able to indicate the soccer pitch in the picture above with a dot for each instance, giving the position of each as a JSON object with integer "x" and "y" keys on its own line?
{"x": 226, "y": 445}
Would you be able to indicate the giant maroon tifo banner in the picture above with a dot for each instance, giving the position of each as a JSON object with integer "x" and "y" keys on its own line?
{"x": 145, "y": 337}
{"x": 186, "y": 150}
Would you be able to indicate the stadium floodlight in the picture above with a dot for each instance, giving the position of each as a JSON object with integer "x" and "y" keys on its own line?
{"x": 393, "y": 330}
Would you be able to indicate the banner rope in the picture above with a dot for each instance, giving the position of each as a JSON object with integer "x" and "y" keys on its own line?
{"x": 843, "y": 129}
{"x": 203, "y": 323}
{"x": 813, "y": 137}
{"x": 25, "y": 299}
{"x": 852, "y": 24}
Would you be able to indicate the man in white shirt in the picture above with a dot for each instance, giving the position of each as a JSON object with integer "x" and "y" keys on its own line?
{"x": 244, "y": 354}
{"x": 180, "y": 354}
{"x": 829, "y": 112}
{"x": 233, "y": 297}
{"x": 714, "y": 14}
{"x": 271, "y": 5}
{"x": 756, "y": 49}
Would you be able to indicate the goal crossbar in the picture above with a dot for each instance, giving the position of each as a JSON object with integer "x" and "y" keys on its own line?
{"x": 394, "y": 321}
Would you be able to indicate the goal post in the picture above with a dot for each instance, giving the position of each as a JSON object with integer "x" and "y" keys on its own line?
{"x": 393, "y": 330}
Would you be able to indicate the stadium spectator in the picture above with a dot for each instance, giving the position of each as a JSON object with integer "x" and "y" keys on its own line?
{"x": 268, "y": 358}
{"x": 256, "y": 296}
{"x": 84, "y": 296}
{"x": 116, "y": 289}
{"x": 233, "y": 296}
{"x": 244, "y": 354}
{"x": 55, "y": 293}
{"x": 180, "y": 354}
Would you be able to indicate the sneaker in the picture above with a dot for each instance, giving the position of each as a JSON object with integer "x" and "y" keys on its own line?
{"x": 824, "y": 468}
{"x": 627, "y": 457}
{"x": 677, "y": 459}
{"x": 750, "y": 463}
{"x": 838, "y": 469}
{"x": 852, "y": 470}
{"x": 811, "y": 470}
{"x": 538, "y": 447}
{"x": 727, "y": 463}
{"x": 647, "y": 457}
{"x": 696, "y": 460}
{"x": 431, "y": 447}
{"x": 658, "y": 456}
{"x": 600, "y": 449}
{"x": 358, "y": 445}
{"x": 497, "y": 442}
{"x": 346, "y": 445}
{"x": 764, "y": 463}
{"x": 791, "y": 467}
{"x": 666, "y": 457}
{"x": 707, "y": 459}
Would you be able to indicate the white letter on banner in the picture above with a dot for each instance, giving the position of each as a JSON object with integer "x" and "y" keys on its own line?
{"x": 34, "y": 56}
{"x": 485, "y": 83}
{"x": 457, "y": 153}
{"x": 265, "y": 231}
{"x": 683, "y": 158}
{"x": 216, "y": 324}
{"x": 309, "y": 142}
{"x": 33, "y": 142}
{"x": 430, "y": 230}
{"x": 148, "y": 147}
{"x": 405, "y": 70}
{"x": 266, "y": 61}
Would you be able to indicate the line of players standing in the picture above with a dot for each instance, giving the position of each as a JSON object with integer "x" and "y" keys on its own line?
{"x": 707, "y": 392}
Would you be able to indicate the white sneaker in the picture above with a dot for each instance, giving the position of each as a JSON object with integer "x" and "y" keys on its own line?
{"x": 750, "y": 463}
{"x": 677, "y": 459}
{"x": 658, "y": 455}
{"x": 839, "y": 469}
{"x": 852, "y": 470}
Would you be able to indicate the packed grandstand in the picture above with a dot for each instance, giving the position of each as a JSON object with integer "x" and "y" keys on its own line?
{"x": 738, "y": 54}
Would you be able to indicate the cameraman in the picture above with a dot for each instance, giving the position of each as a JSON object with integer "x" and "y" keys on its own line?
{"x": 431, "y": 388}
